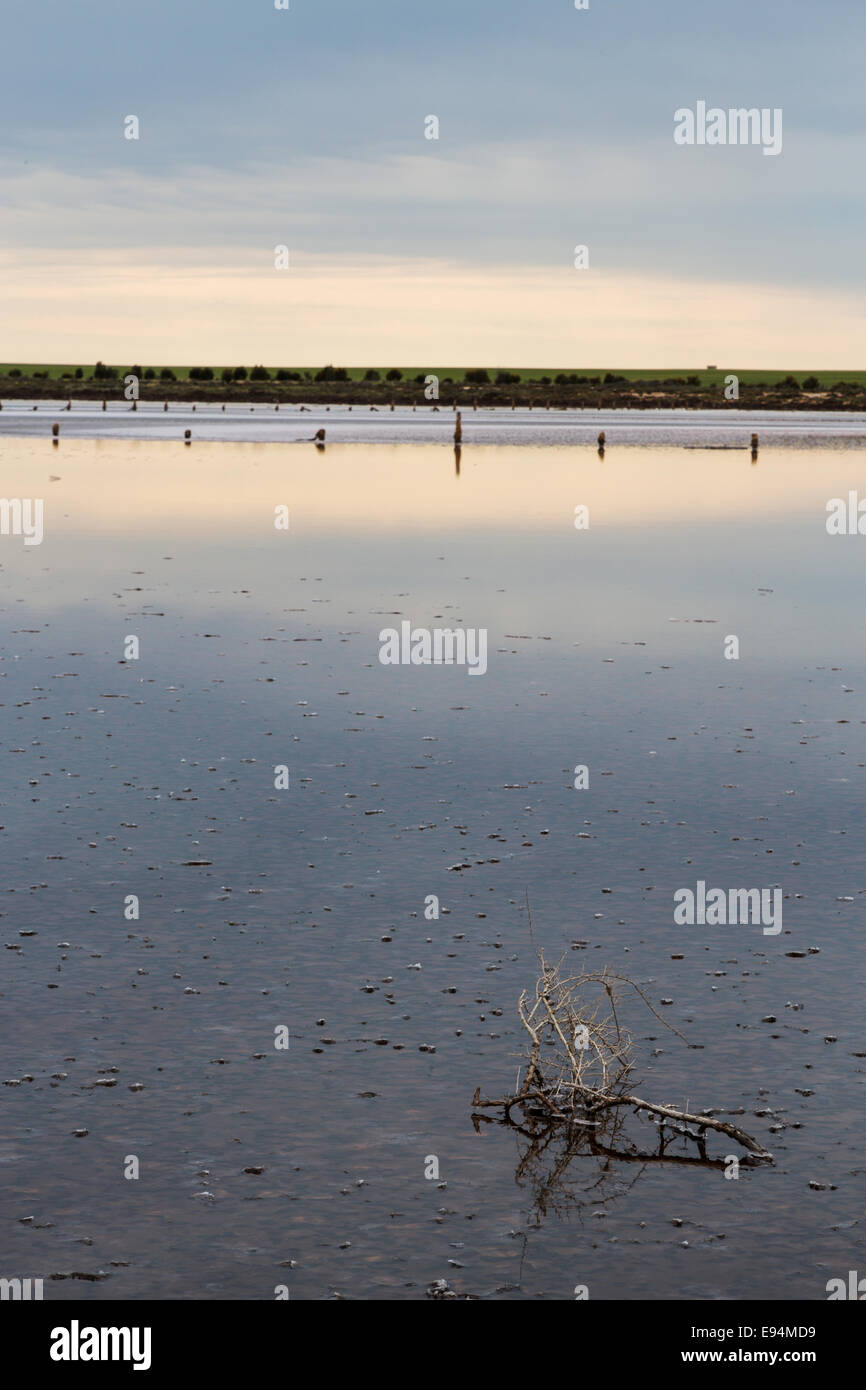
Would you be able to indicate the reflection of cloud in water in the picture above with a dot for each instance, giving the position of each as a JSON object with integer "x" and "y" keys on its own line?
{"x": 129, "y": 486}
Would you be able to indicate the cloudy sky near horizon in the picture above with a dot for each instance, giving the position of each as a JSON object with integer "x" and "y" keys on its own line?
{"x": 306, "y": 127}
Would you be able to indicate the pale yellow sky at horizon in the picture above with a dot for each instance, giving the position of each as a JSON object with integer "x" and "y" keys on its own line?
{"x": 188, "y": 307}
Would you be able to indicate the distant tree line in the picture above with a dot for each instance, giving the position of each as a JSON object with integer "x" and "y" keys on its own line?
{"x": 473, "y": 376}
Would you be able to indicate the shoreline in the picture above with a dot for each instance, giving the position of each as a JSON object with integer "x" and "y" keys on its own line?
{"x": 634, "y": 395}
{"x": 268, "y": 423}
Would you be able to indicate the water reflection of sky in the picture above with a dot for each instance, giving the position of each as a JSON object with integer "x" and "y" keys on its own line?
{"x": 260, "y": 647}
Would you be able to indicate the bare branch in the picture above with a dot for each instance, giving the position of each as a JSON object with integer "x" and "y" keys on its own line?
{"x": 582, "y": 1081}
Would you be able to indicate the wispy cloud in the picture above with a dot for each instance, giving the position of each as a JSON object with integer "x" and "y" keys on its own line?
{"x": 648, "y": 206}
{"x": 305, "y": 127}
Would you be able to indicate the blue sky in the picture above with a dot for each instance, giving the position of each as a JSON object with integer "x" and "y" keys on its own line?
{"x": 306, "y": 127}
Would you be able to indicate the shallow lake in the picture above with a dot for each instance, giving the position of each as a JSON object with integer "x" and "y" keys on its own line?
{"x": 263, "y": 908}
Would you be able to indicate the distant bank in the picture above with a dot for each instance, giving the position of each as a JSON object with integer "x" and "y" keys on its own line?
{"x": 320, "y": 426}
{"x": 596, "y": 389}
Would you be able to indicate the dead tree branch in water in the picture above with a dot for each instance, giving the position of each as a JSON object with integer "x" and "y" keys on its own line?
{"x": 580, "y": 1059}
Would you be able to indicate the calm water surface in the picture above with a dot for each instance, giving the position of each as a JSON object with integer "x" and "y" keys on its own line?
{"x": 305, "y": 908}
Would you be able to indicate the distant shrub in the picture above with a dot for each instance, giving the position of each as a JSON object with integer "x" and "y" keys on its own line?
{"x": 811, "y": 383}
{"x": 260, "y": 374}
{"x": 78, "y": 373}
{"x": 394, "y": 375}
{"x": 545, "y": 381}
{"x": 103, "y": 373}
{"x": 149, "y": 375}
{"x": 476, "y": 376}
{"x": 239, "y": 374}
{"x": 40, "y": 376}
{"x": 507, "y": 378}
{"x": 610, "y": 378}
{"x": 201, "y": 374}
{"x": 332, "y": 374}
{"x": 14, "y": 372}
{"x": 167, "y": 374}
{"x": 226, "y": 374}
{"x": 693, "y": 381}
{"x": 792, "y": 383}
{"x": 372, "y": 375}
{"x": 65, "y": 376}
{"x": 283, "y": 374}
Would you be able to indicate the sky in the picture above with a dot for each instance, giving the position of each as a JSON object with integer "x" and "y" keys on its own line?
{"x": 305, "y": 128}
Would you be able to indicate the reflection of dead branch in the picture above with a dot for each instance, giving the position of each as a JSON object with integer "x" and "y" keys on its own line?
{"x": 585, "y": 1073}
{"x": 546, "y": 1148}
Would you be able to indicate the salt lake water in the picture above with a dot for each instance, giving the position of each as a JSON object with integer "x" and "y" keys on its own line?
{"x": 263, "y": 909}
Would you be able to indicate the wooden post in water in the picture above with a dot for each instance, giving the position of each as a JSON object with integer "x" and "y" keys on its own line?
{"x": 458, "y": 429}
{"x": 55, "y": 430}
{"x": 601, "y": 445}
{"x": 187, "y": 436}
{"x": 754, "y": 444}
{"x": 165, "y": 405}
{"x": 68, "y": 405}
{"x": 103, "y": 405}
